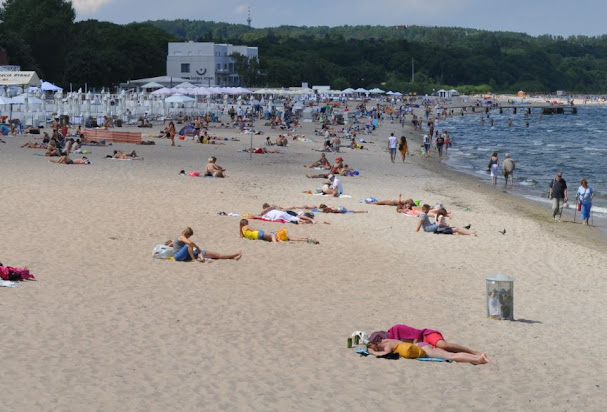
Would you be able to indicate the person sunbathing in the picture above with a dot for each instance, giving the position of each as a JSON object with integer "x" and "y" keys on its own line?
{"x": 213, "y": 169}
{"x": 67, "y": 161}
{"x": 409, "y": 208}
{"x": 444, "y": 228}
{"x": 422, "y": 350}
{"x": 273, "y": 212}
{"x": 34, "y": 145}
{"x": 185, "y": 250}
{"x": 260, "y": 150}
{"x": 410, "y": 334}
{"x": 52, "y": 150}
{"x": 281, "y": 235}
{"x": 335, "y": 169}
{"x": 341, "y": 209}
{"x": 322, "y": 162}
{"x": 121, "y": 155}
{"x": 398, "y": 202}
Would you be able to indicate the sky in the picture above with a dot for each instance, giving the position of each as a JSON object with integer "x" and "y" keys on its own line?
{"x": 534, "y": 17}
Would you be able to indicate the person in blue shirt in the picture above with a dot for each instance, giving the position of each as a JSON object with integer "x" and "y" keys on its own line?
{"x": 584, "y": 196}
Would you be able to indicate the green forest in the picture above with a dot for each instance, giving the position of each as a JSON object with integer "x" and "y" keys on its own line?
{"x": 43, "y": 35}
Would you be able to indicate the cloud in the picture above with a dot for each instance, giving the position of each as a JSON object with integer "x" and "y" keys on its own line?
{"x": 242, "y": 9}
{"x": 89, "y": 6}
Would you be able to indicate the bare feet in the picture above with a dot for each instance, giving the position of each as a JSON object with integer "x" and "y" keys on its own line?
{"x": 238, "y": 255}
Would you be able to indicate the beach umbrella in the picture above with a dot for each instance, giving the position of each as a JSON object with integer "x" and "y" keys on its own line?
{"x": 179, "y": 98}
{"x": 349, "y": 90}
{"x": 165, "y": 91}
{"x": 152, "y": 85}
{"x": 185, "y": 85}
{"x": 361, "y": 90}
{"x": 6, "y": 100}
{"x": 376, "y": 91}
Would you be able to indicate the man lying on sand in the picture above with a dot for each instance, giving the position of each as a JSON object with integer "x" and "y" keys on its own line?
{"x": 121, "y": 155}
{"x": 341, "y": 209}
{"x": 273, "y": 212}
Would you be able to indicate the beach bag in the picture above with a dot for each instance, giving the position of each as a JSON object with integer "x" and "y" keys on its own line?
{"x": 162, "y": 252}
{"x": 579, "y": 206}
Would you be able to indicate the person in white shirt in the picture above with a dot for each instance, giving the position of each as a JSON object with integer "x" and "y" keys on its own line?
{"x": 392, "y": 144}
{"x": 336, "y": 187}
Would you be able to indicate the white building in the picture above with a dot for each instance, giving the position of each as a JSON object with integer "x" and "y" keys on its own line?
{"x": 208, "y": 64}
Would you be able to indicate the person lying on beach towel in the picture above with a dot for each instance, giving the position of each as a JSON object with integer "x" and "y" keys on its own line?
{"x": 184, "y": 250}
{"x": 67, "y": 161}
{"x": 385, "y": 347}
{"x": 409, "y": 334}
{"x": 281, "y": 235}
{"x": 124, "y": 156}
{"x": 35, "y": 145}
{"x": 260, "y": 150}
{"x": 273, "y": 212}
{"x": 410, "y": 209}
{"x": 340, "y": 209}
{"x": 14, "y": 274}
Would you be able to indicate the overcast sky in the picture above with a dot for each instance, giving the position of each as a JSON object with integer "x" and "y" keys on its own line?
{"x": 535, "y": 17}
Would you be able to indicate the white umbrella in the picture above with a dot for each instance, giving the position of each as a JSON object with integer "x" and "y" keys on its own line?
{"x": 6, "y": 100}
{"x": 390, "y": 93}
{"x": 376, "y": 91}
{"x": 152, "y": 85}
{"x": 185, "y": 85}
{"x": 179, "y": 98}
{"x": 349, "y": 90}
{"x": 25, "y": 98}
{"x": 361, "y": 90}
{"x": 165, "y": 91}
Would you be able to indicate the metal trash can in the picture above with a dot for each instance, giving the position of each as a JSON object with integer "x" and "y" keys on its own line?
{"x": 500, "y": 297}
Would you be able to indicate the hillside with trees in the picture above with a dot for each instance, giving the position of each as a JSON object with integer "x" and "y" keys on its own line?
{"x": 43, "y": 36}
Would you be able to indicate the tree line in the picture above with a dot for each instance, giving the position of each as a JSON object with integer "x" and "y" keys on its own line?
{"x": 43, "y": 35}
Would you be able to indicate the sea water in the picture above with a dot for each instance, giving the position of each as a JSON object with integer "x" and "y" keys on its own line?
{"x": 575, "y": 144}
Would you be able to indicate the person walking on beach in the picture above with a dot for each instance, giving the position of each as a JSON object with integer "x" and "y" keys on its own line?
{"x": 392, "y": 143}
{"x": 508, "y": 170}
{"x": 403, "y": 148}
{"x": 558, "y": 195}
{"x": 494, "y": 164}
{"x": 440, "y": 144}
{"x": 584, "y": 196}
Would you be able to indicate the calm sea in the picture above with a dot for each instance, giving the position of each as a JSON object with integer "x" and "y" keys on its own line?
{"x": 575, "y": 144}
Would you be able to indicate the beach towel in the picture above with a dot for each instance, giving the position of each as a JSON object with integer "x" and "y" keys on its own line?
{"x": 340, "y": 196}
{"x": 365, "y": 352}
{"x": 7, "y": 284}
{"x": 267, "y": 220}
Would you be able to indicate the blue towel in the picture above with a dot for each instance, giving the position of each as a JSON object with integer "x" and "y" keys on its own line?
{"x": 434, "y": 360}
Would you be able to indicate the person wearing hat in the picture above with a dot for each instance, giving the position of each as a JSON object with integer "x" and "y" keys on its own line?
{"x": 508, "y": 167}
{"x": 558, "y": 195}
{"x": 335, "y": 189}
{"x": 212, "y": 169}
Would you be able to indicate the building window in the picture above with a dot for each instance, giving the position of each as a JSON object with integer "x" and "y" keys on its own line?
{"x": 185, "y": 67}
{"x": 225, "y": 66}
{"x": 218, "y": 66}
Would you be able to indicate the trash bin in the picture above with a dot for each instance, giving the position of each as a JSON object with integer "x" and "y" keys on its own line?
{"x": 500, "y": 297}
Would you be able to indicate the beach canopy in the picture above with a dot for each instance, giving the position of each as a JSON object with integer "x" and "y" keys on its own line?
{"x": 376, "y": 91}
{"x": 152, "y": 85}
{"x": 6, "y": 100}
{"x": 361, "y": 90}
{"x": 30, "y": 99}
{"x": 19, "y": 78}
{"x": 179, "y": 98}
{"x": 349, "y": 90}
{"x": 165, "y": 91}
{"x": 50, "y": 87}
{"x": 185, "y": 85}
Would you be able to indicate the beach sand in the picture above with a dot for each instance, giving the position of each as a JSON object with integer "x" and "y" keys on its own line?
{"x": 107, "y": 327}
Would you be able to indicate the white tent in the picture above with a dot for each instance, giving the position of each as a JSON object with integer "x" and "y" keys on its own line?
{"x": 48, "y": 86}
{"x": 361, "y": 90}
{"x": 349, "y": 90}
{"x": 6, "y": 100}
{"x": 165, "y": 91}
{"x": 376, "y": 91}
{"x": 25, "y": 98}
{"x": 19, "y": 78}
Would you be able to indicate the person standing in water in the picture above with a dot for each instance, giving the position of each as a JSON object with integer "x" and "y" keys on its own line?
{"x": 493, "y": 167}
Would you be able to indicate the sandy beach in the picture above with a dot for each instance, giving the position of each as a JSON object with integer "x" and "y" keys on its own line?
{"x": 107, "y": 327}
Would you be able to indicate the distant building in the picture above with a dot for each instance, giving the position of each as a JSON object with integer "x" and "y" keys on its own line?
{"x": 208, "y": 64}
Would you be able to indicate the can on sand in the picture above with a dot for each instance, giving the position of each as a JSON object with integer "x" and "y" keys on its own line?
{"x": 349, "y": 342}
